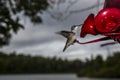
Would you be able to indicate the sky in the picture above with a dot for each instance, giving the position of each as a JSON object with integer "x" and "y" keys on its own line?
{"x": 40, "y": 39}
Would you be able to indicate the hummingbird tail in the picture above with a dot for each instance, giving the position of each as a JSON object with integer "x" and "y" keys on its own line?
{"x": 64, "y": 48}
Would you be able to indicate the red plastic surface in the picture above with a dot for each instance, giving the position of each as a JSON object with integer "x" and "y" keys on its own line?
{"x": 112, "y": 4}
{"x": 88, "y": 26}
{"x": 107, "y": 20}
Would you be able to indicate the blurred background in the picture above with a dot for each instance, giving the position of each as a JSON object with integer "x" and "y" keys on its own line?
{"x": 27, "y": 30}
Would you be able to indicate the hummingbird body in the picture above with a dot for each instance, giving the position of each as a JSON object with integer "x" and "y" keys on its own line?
{"x": 70, "y": 35}
{"x": 70, "y": 41}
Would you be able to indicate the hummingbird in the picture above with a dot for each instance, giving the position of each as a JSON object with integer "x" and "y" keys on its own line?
{"x": 70, "y": 35}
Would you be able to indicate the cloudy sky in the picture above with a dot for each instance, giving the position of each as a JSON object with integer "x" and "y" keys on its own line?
{"x": 42, "y": 40}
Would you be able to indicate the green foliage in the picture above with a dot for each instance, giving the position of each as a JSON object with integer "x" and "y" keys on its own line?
{"x": 98, "y": 67}
{"x": 12, "y": 63}
{"x": 94, "y": 67}
{"x": 10, "y": 9}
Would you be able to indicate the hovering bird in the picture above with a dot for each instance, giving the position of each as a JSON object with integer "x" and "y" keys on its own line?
{"x": 70, "y": 35}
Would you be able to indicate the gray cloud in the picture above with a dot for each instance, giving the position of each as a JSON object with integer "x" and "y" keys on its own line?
{"x": 42, "y": 40}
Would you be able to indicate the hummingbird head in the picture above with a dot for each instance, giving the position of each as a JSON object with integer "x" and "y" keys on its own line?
{"x": 74, "y": 28}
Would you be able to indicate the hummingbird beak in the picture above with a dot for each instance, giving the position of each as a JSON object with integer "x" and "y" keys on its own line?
{"x": 79, "y": 25}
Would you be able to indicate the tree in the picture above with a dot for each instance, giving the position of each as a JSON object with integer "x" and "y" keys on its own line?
{"x": 9, "y": 18}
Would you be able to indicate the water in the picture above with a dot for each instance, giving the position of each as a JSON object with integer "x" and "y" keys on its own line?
{"x": 46, "y": 77}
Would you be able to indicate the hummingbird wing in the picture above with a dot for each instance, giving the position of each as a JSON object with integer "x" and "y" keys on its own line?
{"x": 66, "y": 34}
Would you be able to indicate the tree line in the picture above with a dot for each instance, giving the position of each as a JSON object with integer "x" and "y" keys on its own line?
{"x": 100, "y": 68}
{"x": 13, "y": 63}
{"x": 26, "y": 64}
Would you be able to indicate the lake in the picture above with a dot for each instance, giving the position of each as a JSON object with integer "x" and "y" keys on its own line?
{"x": 46, "y": 77}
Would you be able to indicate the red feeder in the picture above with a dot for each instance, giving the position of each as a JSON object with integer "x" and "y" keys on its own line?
{"x": 106, "y": 22}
